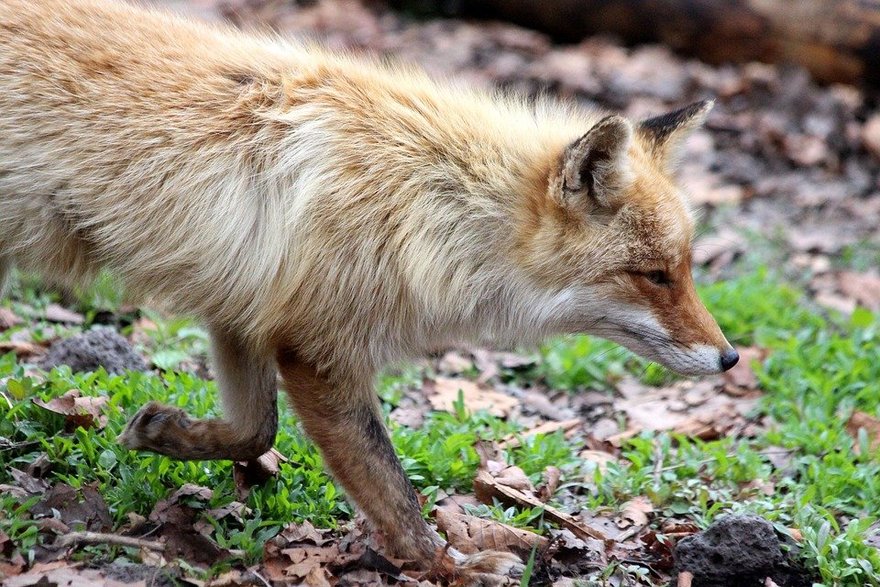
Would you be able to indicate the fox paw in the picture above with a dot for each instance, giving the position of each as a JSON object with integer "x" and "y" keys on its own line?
{"x": 489, "y": 568}
{"x": 154, "y": 427}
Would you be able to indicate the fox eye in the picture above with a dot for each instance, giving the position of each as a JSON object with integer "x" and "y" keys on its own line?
{"x": 658, "y": 277}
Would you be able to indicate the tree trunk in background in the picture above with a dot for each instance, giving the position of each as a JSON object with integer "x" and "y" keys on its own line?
{"x": 837, "y": 40}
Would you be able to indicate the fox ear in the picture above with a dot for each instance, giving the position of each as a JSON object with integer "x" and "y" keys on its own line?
{"x": 595, "y": 165}
{"x": 665, "y": 134}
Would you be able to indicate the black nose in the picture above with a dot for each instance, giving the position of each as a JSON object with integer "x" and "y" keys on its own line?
{"x": 729, "y": 358}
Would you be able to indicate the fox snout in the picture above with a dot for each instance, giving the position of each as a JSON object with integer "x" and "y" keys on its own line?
{"x": 665, "y": 322}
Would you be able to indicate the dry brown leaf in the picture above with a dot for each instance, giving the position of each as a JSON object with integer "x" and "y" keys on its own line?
{"x": 306, "y": 558}
{"x": 864, "y": 288}
{"x": 871, "y": 135}
{"x": 634, "y": 513}
{"x": 666, "y": 409}
{"x": 305, "y": 532}
{"x": 22, "y": 349}
{"x": 8, "y": 319}
{"x": 742, "y": 376}
{"x": 870, "y": 424}
{"x": 247, "y": 474}
{"x": 513, "y": 476}
{"x": 470, "y": 534}
{"x": 64, "y": 573}
{"x": 75, "y": 507}
{"x": 486, "y": 489}
{"x": 11, "y": 561}
{"x": 56, "y": 313}
{"x": 475, "y": 397}
{"x": 454, "y": 363}
{"x": 317, "y": 577}
{"x": 552, "y": 475}
{"x": 78, "y": 410}
{"x": 409, "y": 417}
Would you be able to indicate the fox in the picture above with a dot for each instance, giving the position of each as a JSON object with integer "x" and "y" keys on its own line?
{"x": 326, "y": 215}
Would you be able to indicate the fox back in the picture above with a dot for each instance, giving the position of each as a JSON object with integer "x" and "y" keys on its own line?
{"x": 356, "y": 212}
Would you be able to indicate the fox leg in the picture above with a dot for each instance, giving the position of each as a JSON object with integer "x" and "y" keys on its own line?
{"x": 248, "y": 387}
{"x": 347, "y": 427}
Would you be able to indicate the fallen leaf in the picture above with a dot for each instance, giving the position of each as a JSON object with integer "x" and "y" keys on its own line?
{"x": 409, "y": 417}
{"x": 742, "y": 376}
{"x": 454, "y": 363}
{"x": 634, "y": 513}
{"x": 868, "y": 423}
{"x": 305, "y": 532}
{"x": 552, "y": 475}
{"x": 22, "y": 349}
{"x": 871, "y": 135}
{"x": 487, "y": 489}
{"x": 513, "y": 476}
{"x": 666, "y": 409}
{"x": 475, "y": 397}
{"x": 83, "y": 507}
{"x": 64, "y": 573}
{"x": 470, "y": 534}
{"x": 28, "y": 482}
{"x": 864, "y": 288}
{"x": 8, "y": 319}
{"x": 248, "y": 474}
{"x": 11, "y": 560}
{"x": 78, "y": 410}
{"x": 56, "y": 313}
{"x": 718, "y": 249}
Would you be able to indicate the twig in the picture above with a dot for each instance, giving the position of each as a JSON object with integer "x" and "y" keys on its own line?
{"x": 658, "y": 462}
{"x": 685, "y": 578}
{"x": 262, "y": 579}
{"x": 114, "y": 539}
{"x": 782, "y": 451}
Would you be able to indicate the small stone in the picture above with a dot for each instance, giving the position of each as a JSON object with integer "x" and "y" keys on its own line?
{"x": 738, "y": 550}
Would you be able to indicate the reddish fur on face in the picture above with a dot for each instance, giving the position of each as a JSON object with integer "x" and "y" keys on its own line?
{"x": 679, "y": 309}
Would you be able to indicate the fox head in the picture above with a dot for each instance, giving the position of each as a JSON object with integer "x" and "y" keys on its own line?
{"x": 612, "y": 235}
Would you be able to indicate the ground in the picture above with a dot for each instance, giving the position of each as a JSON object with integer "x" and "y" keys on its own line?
{"x": 589, "y": 462}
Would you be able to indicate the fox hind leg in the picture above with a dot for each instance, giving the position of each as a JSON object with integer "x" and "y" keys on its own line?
{"x": 248, "y": 387}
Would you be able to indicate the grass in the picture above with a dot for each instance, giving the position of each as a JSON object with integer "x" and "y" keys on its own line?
{"x": 821, "y": 369}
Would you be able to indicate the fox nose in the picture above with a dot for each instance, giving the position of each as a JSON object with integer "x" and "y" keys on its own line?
{"x": 729, "y": 358}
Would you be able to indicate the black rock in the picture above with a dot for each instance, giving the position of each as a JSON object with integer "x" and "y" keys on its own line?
{"x": 101, "y": 347}
{"x": 740, "y": 551}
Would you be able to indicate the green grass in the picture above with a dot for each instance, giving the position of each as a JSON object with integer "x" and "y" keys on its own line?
{"x": 821, "y": 369}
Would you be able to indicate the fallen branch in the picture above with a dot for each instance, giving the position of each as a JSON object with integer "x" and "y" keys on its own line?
{"x": 486, "y": 487}
{"x": 77, "y": 538}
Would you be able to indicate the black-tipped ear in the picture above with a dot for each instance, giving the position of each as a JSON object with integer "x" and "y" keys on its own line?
{"x": 665, "y": 134}
{"x": 595, "y": 164}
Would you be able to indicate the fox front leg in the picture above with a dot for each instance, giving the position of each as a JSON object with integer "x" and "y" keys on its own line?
{"x": 347, "y": 427}
{"x": 248, "y": 387}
